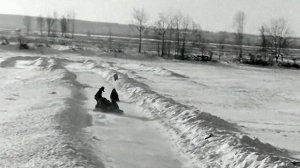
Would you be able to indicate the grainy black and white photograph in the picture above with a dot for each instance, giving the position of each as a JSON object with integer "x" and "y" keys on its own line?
{"x": 149, "y": 83}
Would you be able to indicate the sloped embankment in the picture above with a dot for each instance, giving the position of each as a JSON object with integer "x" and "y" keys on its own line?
{"x": 42, "y": 126}
{"x": 211, "y": 140}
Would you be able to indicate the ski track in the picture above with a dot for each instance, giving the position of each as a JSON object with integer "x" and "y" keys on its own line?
{"x": 63, "y": 131}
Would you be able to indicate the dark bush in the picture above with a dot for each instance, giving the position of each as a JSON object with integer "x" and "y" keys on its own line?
{"x": 23, "y": 46}
{"x": 5, "y": 42}
{"x": 289, "y": 65}
{"x": 257, "y": 62}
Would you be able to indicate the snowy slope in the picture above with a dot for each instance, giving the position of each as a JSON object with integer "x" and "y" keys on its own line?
{"x": 68, "y": 134}
{"x": 48, "y": 103}
{"x": 264, "y": 102}
{"x": 133, "y": 139}
{"x": 41, "y": 117}
{"x": 227, "y": 147}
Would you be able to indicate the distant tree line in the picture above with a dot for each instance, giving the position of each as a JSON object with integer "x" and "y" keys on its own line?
{"x": 275, "y": 40}
{"x": 177, "y": 35}
{"x": 52, "y": 26}
{"x": 175, "y": 31}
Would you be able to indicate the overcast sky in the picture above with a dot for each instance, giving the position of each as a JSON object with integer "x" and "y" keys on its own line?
{"x": 213, "y": 15}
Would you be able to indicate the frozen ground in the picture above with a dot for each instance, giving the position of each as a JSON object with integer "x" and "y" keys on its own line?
{"x": 176, "y": 114}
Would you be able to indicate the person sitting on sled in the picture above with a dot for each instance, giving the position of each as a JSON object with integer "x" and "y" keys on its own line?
{"x": 114, "y": 98}
{"x": 103, "y": 103}
{"x": 114, "y": 95}
{"x": 98, "y": 95}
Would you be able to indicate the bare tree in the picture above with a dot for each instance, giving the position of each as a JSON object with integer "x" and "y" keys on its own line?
{"x": 140, "y": 18}
{"x": 170, "y": 32}
{"x": 89, "y": 33}
{"x": 69, "y": 24}
{"x": 199, "y": 40}
{"x": 264, "y": 42}
{"x": 72, "y": 23}
{"x": 49, "y": 22}
{"x": 158, "y": 42}
{"x": 279, "y": 34}
{"x": 110, "y": 39}
{"x": 161, "y": 27}
{"x": 55, "y": 24}
{"x": 40, "y": 24}
{"x": 239, "y": 23}
{"x": 64, "y": 26}
{"x": 27, "y": 23}
{"x": 177, "y": 20}
{"x": 221, "y": 41}
{"x": 186, "y": 21}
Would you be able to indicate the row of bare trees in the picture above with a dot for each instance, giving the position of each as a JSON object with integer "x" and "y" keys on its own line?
{"x": 53, "y": 25}
{"x": 179, "y": 31}
{"x": 174, "y": 31}
{"x": 275, "y": 40}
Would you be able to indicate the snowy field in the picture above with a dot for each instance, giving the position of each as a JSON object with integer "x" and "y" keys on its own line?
{"x": 263, "y": 102}
{"x": 177, "y": 114}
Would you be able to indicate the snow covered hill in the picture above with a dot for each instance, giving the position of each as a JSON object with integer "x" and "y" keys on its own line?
{"x": 47, "y": 117}
{"x": 40, "y": 115}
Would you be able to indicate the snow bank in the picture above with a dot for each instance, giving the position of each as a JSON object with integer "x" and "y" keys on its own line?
{"x": 155, "y": 70}
{"x": 61, "y": 47}
{"x": 45, "y": 126}
{"x": 1, "y": 59}
{"x": 211, "y": 140}
{"x": 11, "y": 61}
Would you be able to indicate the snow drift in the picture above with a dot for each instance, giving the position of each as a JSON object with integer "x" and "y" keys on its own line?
{"x": 212, "y": 141}
{"x": 155, "y": 70}
{"x": 45, "y": 126}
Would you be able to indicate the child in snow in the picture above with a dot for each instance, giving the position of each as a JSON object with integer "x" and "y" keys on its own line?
{"x": 114, "y": 95}
{"x": 105, "y": 104}
{"x": 98, "y": 95}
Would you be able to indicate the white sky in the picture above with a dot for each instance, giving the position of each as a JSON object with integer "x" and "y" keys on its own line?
{"x": 213, "y": 15}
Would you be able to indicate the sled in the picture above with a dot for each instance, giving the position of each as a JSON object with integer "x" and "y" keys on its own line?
{"x": 114, "y": 111}
{"x": 108, "y": 108}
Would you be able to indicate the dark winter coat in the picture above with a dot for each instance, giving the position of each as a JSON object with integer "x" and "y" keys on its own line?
{"x": 98, "y": 95}
{"x": 114, "y": 95}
